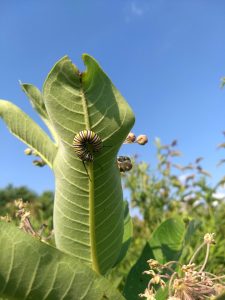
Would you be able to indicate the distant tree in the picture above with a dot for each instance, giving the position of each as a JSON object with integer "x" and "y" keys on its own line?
{"x": 10, "y": 193}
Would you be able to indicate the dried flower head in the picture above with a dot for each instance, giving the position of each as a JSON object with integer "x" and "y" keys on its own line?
{"x": 194, "y": 283}
{"x": 193, "y": 287}
{"x": 24, "y": 215}
{"x": 149, "y": 294}
{"x": 20, "y": 204}
{"x": 6, "y": 218}
{"x": 157, "y": 279}
{"x": 209, "y": 238}
{"x": 153, "y": 264}
{"x": 188, "y": 268}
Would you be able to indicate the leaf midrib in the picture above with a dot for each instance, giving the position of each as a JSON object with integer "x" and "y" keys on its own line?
{"x": 93, "y": 250}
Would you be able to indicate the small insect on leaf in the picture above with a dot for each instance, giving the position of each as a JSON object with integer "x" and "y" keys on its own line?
{"x": 85, "y": 143}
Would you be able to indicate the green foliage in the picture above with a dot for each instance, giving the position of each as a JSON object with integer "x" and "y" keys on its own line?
{"x": 10, "y": 193}
{"x": 33, "y": 270}
{"x": 37, "y": 101}
{"x": 25, "y": 129}
{"x": 172, "y": 189}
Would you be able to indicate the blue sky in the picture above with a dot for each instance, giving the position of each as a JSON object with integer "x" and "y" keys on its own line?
{"x": 165, "y": 57}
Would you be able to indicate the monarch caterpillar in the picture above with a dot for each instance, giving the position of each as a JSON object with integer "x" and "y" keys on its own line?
{"x": 85, "y": 143}
{"x": 124, "y": 163}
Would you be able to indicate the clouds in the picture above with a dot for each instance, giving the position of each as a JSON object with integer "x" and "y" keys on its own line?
{"x": 135, "y": 10}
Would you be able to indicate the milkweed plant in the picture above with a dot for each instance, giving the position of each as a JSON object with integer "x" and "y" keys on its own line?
{"x": 88, "y": 120}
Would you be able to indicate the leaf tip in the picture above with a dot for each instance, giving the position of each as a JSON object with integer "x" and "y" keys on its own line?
{"x": 90, "y": 61}
{"x": 85, "y": 57}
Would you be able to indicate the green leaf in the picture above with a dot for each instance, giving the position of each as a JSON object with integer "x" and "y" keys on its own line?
{"x": 36, "y": 98}
{"x": 127, "y": 234}
{"x": 30, "y": 269}
{"x": 25, "y": 129}
{"x": 167, "y": 240}
{"x": 165, "y": 245}
{"x": 193, "y": 225}
{"x": 88, "y": 212}
{"x": 136, "y": 282}
{"x": 37, "y": 102}
{"x": 162, "y": 294}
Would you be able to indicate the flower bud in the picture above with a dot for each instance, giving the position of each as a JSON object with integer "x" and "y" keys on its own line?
{"x": 130, "y": 138}
{"x": 174, "y": 143}
{"x": 39, "y": 163}
{"x": 142, "y": 139}
{"x": 154, "y": 264}
{"x": 124, "y": 163}
{"x": 28, "y": 151}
